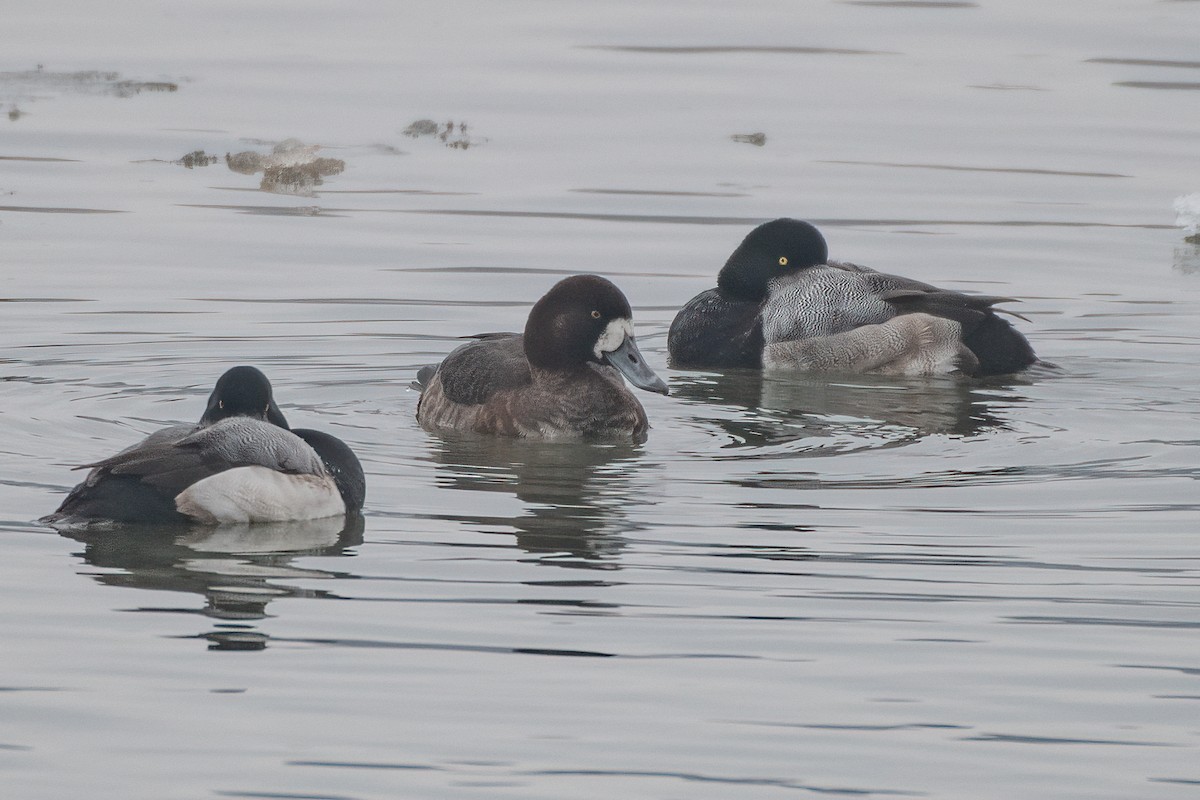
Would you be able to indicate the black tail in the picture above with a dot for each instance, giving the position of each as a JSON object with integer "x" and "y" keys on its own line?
{"x": 1000, "y": 348}
{"x": 116, "y": 498}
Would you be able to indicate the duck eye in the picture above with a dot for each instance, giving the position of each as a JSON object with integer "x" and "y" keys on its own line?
{"x": 783, "y": 261}
{"x": 595, "y": 315}
{"x": 220, "y": 404}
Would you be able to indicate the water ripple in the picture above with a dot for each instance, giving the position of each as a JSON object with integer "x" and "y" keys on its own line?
{"x": 1054, "y": 740}
{"x": 725, "y": 49}
{"x": 695, "y": 777}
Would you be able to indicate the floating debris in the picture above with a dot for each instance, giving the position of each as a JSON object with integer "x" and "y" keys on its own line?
{"x": 29, "y": 84}
{"x": 197, "y": 158}
{"x": 422, "y": 127}
{"x": 246, "y": 163}
{"x": 15, "y": 113}
{"x": 301, "y": 178}
{"x": 291, "y": 167}
{"x": 130, "y": 88}
{"x": 1187, "y": 210}
{"x": 452, "y": 134}
{"x": 756, "y": 139}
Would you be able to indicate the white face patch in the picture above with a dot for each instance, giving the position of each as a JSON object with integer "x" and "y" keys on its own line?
{"x": 612, "y": 337}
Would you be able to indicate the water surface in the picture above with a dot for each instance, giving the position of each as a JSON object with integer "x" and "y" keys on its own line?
{"x": 796, "y": 587}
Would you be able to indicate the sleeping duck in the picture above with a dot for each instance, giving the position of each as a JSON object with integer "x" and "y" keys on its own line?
{"x": 781, "y": 304}
{"x": 561, "y": 379}
{"x": 239, "y": 464}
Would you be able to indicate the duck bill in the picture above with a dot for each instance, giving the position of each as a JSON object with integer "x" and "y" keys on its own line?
{"x": 629, "y": 362}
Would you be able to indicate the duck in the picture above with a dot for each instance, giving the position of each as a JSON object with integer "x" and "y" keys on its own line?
{"x": 240, "y": 464}
{"x": 781, "y": 304}
{"x": 559, "y": 380}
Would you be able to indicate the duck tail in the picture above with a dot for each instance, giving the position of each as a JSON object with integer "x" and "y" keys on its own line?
{"x": 998, "y": 346}
{"x": 424, "y": 376}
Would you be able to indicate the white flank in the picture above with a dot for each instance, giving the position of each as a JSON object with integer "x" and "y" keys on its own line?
{"x": 614, "y": 334}
{"x": 259, "y": 494}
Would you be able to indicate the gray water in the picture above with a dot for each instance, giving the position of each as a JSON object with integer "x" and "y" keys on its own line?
{"x": 795, "y": 587}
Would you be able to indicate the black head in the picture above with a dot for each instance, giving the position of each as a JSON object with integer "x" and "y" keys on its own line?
{"x": 342, "y": 464}
{"x": 772, "y": 249}
{"x": 243, "y": 392}
{"x": 565, "y": 325}
{"x": 582, "y": 319}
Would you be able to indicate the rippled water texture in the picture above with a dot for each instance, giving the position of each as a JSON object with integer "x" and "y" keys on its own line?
{"x": 796, "y": 587}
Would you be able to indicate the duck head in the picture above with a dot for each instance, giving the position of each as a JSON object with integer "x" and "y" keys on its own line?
{"x": 243, "y": 392}
{"x": 772, "y": 249}
{"x": 582, "y": 319}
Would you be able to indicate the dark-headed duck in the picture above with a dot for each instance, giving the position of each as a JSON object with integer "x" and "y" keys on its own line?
{"x": 561, "y": 379}
{"x": 240, "y": 464}
{"x": 780, "y": 303}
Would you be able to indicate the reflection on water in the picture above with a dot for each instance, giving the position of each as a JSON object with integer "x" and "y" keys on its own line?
{"x": 238, "y": 569}
{"x": 965, "y": 168}
{"x": 1187, "y": 86}
{"x": 836, "y": 415}
{"x": 573, "y": 494}
{"x": 911, "y": 3}
{"x": 724, "y": 49}
{"x": 821, "y": 222}
{"x": 1187, "y": 259}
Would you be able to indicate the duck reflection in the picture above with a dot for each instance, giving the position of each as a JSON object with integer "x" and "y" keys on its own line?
{"x": 902, "y": 409}
{"x": 1187, "y": 256}
{"x": 573, "y": 495}
{"x": 238, "y": 569}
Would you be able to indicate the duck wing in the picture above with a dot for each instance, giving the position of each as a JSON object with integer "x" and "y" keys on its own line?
{"x": 491, "y": 363}
{"x": 998, "y": 346}
{"x": 103, "y": 496}
{"x": 170, "y": 464}
{"x": 908, "y": 296}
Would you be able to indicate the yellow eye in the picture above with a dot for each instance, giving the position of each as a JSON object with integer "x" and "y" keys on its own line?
{"x": 783, "y": 261}
{"x": 595, "y": 315}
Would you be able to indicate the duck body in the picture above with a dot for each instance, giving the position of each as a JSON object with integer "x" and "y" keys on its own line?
{"x": 560, "y": 379}
{"x": 238, "y": 465}
{"x": 717, "y": 330}
{"x": 781, "y": 304}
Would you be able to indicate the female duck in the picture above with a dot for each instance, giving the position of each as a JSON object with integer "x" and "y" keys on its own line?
{"x": 560, "y": 380}
{"x": 781, "y": 304}
{"x": 240, "y": 464}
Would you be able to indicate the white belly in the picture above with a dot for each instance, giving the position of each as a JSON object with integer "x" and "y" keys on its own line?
{"x": 259, "y": 494}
